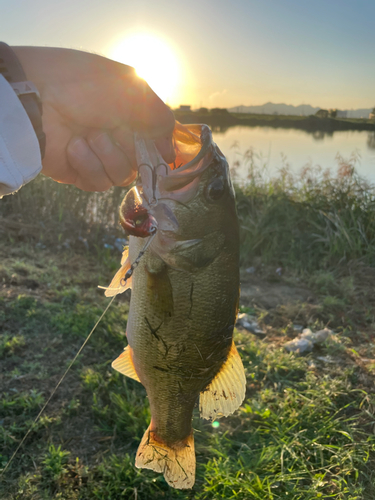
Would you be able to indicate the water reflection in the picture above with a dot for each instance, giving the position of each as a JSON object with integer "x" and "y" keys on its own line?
{"x": 371, "y": 140}
{"x": 317, "y": 135}
{"x": 220, "y": 129}
{"x": 296, "y": 147}
{"x": 320, "y": 135}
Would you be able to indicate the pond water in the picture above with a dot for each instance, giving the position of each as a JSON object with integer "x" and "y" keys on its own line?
{"x": 274, "y": 148}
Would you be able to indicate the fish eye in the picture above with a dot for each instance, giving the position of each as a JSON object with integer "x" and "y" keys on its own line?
{"x": 215, "y": 190}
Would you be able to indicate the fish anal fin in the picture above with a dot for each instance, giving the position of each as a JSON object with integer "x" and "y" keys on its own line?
{"x": 226, "y": 391}
{"x": 176, "y": 462}
{"x": 124, "y": 364}
{"x": 117, "y": 284}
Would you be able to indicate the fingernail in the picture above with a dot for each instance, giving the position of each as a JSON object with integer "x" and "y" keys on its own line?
{"x": 104, "y": 143}
{"x": 78, "y": 147}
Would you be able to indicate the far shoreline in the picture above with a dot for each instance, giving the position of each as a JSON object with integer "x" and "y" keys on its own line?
{"x": 221, "y": 119}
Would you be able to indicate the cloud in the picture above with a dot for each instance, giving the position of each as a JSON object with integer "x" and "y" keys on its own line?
{"x": 216, "y": 96}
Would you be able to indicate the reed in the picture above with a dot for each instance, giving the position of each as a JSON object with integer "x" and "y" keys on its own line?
{"x": 311, "y": 220}
{"x": 45, "y": 199}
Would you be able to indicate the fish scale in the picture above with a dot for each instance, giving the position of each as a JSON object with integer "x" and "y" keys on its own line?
{"x": 187, "y": 366}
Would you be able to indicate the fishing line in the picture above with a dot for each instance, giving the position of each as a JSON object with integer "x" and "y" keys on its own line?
{"x": 129, "y": 272}
{"x": 132, "y": 267}
{"x": 55, "y": 389}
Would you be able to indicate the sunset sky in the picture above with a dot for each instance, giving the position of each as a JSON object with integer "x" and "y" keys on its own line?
{"x": 218, "y": 53}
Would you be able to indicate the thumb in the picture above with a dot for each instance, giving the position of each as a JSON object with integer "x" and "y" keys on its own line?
{"x": 152, "y": 118}
{"x": 149, "y": 115}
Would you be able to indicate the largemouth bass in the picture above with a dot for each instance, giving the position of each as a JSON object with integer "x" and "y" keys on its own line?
{"x": 182, "y": 265}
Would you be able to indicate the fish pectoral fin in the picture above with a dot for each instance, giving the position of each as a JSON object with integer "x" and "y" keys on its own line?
{"x": 176, "y": 462}
{"x": 117, "y": 285}
{"x": 124, "y": 364}
{"x": 125, "y": 255}
{"x": 226, "y": 391}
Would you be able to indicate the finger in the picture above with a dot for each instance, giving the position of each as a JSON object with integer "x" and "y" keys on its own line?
{"x": 124, "y": 137}
{"x": 149, "y": 114}
{"x": 115, "y": 161}
{"x": 55, "y": 162}
{"x": 91, "y": 175}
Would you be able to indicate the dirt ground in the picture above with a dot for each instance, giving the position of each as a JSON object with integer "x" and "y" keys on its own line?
{"x": 265, "y": 294}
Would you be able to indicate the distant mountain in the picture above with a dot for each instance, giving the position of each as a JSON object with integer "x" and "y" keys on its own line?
{"x": 287, "y": 109}
{"x": 358, "y": 113}
{"x": 282, "y": 109}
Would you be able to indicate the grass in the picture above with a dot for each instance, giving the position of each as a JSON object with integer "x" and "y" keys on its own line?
{"x": 306, "y": 428}
{"x": 304, "y": 431}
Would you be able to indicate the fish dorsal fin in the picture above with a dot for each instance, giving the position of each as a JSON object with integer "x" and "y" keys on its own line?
{"x": 176, "y": 462}
{"x": 226, "y": 391}
{"x": 117, "y": 286}
{"x": 124, "y": 364}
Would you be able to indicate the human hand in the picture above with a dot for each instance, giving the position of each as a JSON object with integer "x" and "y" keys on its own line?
{"x": 91, "y": 106}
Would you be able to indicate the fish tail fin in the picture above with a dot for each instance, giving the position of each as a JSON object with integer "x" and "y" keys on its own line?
{"x": 176, "y": 462}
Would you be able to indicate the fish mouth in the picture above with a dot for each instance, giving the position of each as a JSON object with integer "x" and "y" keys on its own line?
{"x": 194, "y": 150}
{"x": 158, "y": 180}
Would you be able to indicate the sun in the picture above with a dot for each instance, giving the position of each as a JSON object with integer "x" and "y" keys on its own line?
{"x": 154, "y": 61}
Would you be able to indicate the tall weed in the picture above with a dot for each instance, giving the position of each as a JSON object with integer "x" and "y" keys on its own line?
{"x": 46, "y": 199}
{"x": 309, "y": 220}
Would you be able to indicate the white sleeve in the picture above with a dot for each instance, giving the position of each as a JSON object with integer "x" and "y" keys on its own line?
{"x": 20, "y": 159}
